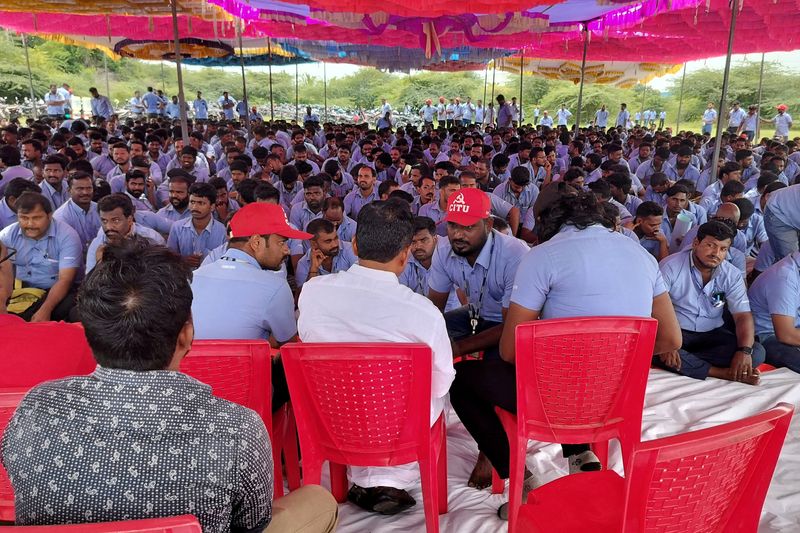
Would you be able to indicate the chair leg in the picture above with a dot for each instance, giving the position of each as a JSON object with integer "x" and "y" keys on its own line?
{"x": 339, "y": 482}
{"x": 430, "y": 498}
{"x": 498, "y": 483}
{"x": 290, "y": 451}
{"x": 519, "y": 449}
{"x": 441, "y": 464}
{"x": 600, "y": 449}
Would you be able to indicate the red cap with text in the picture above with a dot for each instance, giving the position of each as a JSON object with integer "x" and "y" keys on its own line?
{"x": 468, "y": 206}
{"x": 260, "y": 218}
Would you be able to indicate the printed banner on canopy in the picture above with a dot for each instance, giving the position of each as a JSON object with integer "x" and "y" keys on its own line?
{"x": 619, "y": 73}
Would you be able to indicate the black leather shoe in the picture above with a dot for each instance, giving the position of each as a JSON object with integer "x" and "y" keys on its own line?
{"x": 382, "y": 500}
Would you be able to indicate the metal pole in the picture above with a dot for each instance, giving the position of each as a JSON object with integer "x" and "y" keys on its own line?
{"x": 494, "y": 75}
{"x": 325, "y": 89}
{"x": 244, "y": 82}
{"x": 271, "y": 104}
{"x": 680, "y": 101}
{"x": 521, "y": 69}
{"x": 644, "y": 93}
{"x": 105, "y": 67}
{"x": 715, "y": 164}
{"x": 485, "y": 82}
{"x": 30, "y": 76}
{"x": 296, "y": 94}
{"x": 163, "y": 87}
{"x": 585, "y": 29}
{"x": 181, "y": 97}
{"x": 758, "y": 100}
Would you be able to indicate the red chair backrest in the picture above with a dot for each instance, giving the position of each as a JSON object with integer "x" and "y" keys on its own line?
{"x": 171, "y": 524}
{"x": 360, "y": 403}
{"x": 41, "y": 351}
{"x": 237, "y": 371}
{"x": 707, "y": 481}
{"x": 582, "y": 379}
{"x": 9, "y": 400}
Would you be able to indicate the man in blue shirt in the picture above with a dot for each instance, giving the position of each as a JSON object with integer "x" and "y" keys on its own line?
{"x": 14, "y": 189}
{"x": 647, "y": 228}
{"x": 701, "y": 284}
{"x": 327, "y": 255}
{"x": 775, "y": 300}
{"x": 365, "y": 193}
{"x": 519, "y": 191}
{"x": 782, "y": 220}
{"x": 80, "y": 212}
{"x": 178, "y": 185}
{"x": 196, "y": 236}
{"x": 481, "y": 262}
{"x": 152, "y": 103}
{"x": 304, "y": 212}
{"x": 551, "y": 282}
{"x": 47, "y": 256}
{"x": 101, "y": 105}
{"x": 53, "y": 186}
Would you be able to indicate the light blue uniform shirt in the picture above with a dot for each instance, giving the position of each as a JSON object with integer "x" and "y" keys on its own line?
{"x": 690, "y": 173}
{"x": 496, "y": 264}
{"x": 342, "y": 261}
{"x": 755, "y": 232}
{"x": 560, "y": 277}
{"x": 433, "y": 211}
{"x": 300, "y": 215}
{"x": 57, "y": 198}
{"x": 235, "y": 299}
{"x": 200, "y": 107}
{"x": 184, "y": 240}
{"x": 85, "y": 223}
{"x": 37, "y": 262}
{"x": 784, "y": 204}
{"x": 138, "y": 229}
{"x": 523, "y": 202}
{"x": 170, "y": 213}
{"x": 7, "y": 215}
{"x": 415, "y": 277}
{"x": 151, "y": 102}
{"x": 693, "y": 301}
{"x": 354, "y": 201}
{"x": 776, "y": 292}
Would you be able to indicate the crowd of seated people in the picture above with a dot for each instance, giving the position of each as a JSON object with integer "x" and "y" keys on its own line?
{"x": 446, "y": 236}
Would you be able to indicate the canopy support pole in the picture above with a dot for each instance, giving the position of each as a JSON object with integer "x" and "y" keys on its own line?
{"x": 494, "y": 75}
{"x": 521, "y": 69}
{"x": 725, "y": 79}
{"x": 244, "y": 81}
{"x": 296, "y": 94}
{"x": 758, "y": 99}
{"x": 30, "y": 76}
{"x": 271, "y": 103}
{"x": 181, "y": 96}
{"x": 325, "y": 91}
{"x": 105, "y": 68}
{"x": 585, "y": 31}
{"x": 485, "y": 83}
{"x": 680, "y": 100}
{"x": 163, "y": 87}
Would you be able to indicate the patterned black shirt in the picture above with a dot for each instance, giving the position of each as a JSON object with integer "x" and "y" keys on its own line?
{"x": 123, "y": 445}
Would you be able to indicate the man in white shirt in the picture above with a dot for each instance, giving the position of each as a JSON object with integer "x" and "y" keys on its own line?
{"x": 385, "y": 107}
{"x": 536, "y": 116}
{"x": 782, "y": 121}
{"x": 662, "y": 116}
{"x": 709, "y": 118}
{"x": 441, "y": 112}
{"x": 735, "y": 118}
{"x": 601, "y": 117}
{"x": 467, "y": 112}
{"x": 55, "y": 103}
{"x": 332, "y": 309}
{"x": 136, "y": 105}
{"x": 562, "y": 116}
{"x": 200, "y": 107}
{"x": 623, "y": 117}
{"x": 228, "y": 104}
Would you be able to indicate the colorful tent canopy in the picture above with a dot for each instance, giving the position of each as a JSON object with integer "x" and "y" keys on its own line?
{"x": 619, "y": 73}
{"x": 109, "y": 7}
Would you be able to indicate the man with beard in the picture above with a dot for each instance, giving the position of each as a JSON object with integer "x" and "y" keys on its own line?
{"x": 53, "y": 186}
{"x": 117, "y": 222}
{"x": 701, "y": 284}
{"x": 653, "y": 166}
{"x": 482, "y": 263}
{"x": 365, "y": 193}
{"x": 683, "y": 169}
{"x": 80, "y": 212}
{"x": 304, "y": 212}
{"x": 188, "y": 162}
{"x": 31, "y": 153}
{"x": 178, "y": 206}
{"x": 136, "y": 187}
{"x": 436, "y": 211}
{"x": 47, "y": 256}
{"x": 193, "y": 238}
{"x": 425, "y": 193}
{"x": 327, "y": 254}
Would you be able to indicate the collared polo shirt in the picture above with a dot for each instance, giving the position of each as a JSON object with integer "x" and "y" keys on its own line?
{"x": 184, "y": 239}
{"x": 38, "y": 262}
{"x": 342, "y": 261}
{"x": 300, "y": 215}
{"x": 56, "y": 198}
{"x": 138, "y": 229}
{"x": 776, "y": 291}
{"x": 85, "y": 223}
{"x": 354, "y": 201}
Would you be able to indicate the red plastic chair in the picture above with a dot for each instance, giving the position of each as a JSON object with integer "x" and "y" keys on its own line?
{"x": 579, "y": 380}
{"x": 240, "y": 371}
{"x": 366, "y": 404}
{"x": 709, "y": 481}
{"x": 41, "y": 351}
{"x": 9, "y": 400}
{"x": 172, "y": 524}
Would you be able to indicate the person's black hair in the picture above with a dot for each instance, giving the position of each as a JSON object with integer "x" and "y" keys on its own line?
{"x": 499, "y": 224}
{"x": 621, "y": 181}
{"x": 218, "y": 183}
{"x": 384, "y": 159}
{"x": 449, "y": 180}
{"x": 303, "y": 167}
{"x": 677, "y": 189}
{"x": 449, "y": 167}
{"x": 384, "y": 230}
{"x": 259, "y": 152}
{"x": 521, "y": 176}
{"x": 717, "y": 230}
{"x": 732, "y": 188}
{"x": 573, "y": 173}
{"x": 112, "y": 201}
{"x": 402, "y": 195}
{"x": 765, "y": 178}
{"x": 17, "y": 186}
{"x": 134, "y": 304}
{"x": 658, "y": 178}
{"x": 386, "y": 186}
{"x": 600, "y": 188}
{"x": 649, "y": 209}
{"x": 607, "y": 165}
{"x": 204, "y": 190}
{"x": 189, "y": 150}
{"x": 9, "y": 155}
{"x": 746, "y": 208}
{"x": 56, "y": 159}
{"x": 28, "y": 200}
{"x": 595, "y": 159}
{"x": 134, "y": 174}
{"x": 580, "y": 210}
{"x": 772, "y": 187}
{"x": 742, "y": 154}
{"x": 424, "y": 224}
{"x": 500, "y": 160}
{"x": 266, "y": 191}
{"x": 247, "y": 190}
{"x": 239, "y": 166}
{"x": 78, "y": 175}
{"x": 663, "y": 153}
{"x": 611, "y": 213}
{"x": 140, "y": 161}
{"x": 289, "y": 174}
{"x": 689, "y": 184}
{"x": 331, "y": 166}
{"x": 729, "y": 167}
{"x": 320, "y": 225}
{"x": 333, "y": 202}
{"x": 33, "y": 142}
{"x": 314, "y": 181}
{"x": 683, "y": 151}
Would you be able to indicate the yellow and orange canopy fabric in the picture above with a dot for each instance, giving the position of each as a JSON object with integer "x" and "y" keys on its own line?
{"x": 618, "y": 73}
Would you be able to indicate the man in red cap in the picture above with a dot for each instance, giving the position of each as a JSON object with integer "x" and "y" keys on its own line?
{"x": 782, "y": 121}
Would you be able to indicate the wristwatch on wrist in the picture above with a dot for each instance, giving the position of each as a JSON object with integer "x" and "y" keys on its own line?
{"x": 745, "y": 349}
